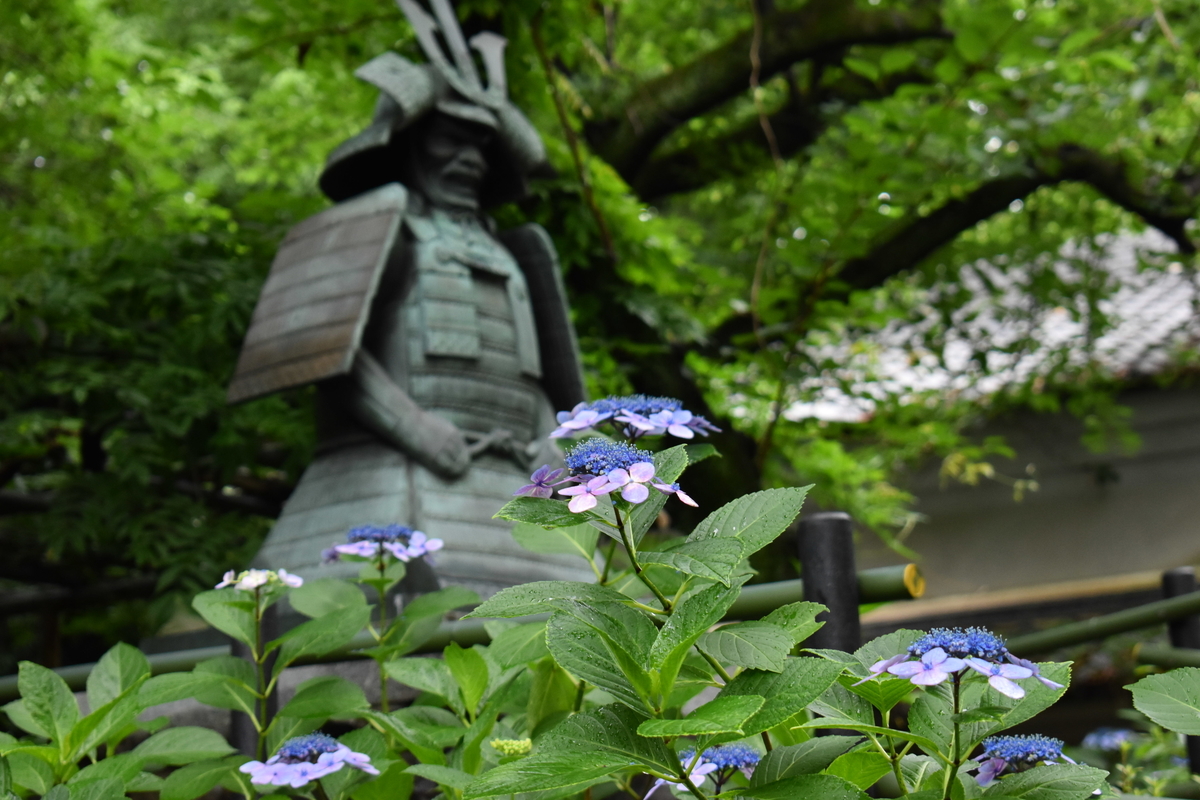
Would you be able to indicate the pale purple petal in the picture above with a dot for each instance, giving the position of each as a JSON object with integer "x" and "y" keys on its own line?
{"x": 989, "y": 769}
{"x": 635, "y": 493}
{"x": 1006, "y": 687}
{"x": 882, "y": 666}
{"x": 929, "y": 677}
{"x": 617, "y": 477}
{"x": 685, "y": 498}
{"x": 642, "y": 472}
{"x": 582, "y": 503}
{"x": 288, "y": 579}
{"x": 681, "y": 431}
{"x": 907, "y": 669}
{"x": 228, "y": 579}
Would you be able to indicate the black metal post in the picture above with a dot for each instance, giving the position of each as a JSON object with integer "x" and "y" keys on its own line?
{"x": 1184, "y": 632}
{"x": 825, "y": 543}
{"x": 242, "y": 734}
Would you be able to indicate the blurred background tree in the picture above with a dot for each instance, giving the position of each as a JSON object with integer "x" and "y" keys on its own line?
{"x": 747, "y": 191}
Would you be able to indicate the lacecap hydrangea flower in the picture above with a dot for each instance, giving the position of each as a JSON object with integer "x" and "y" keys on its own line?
{"x": 1109, "y": 740}
{"x": 304, "y": 759}
{"x": 947, "y": 651}
{"x": 252, "y": 579}
{"x": 599, "y": 467}
{"x": 634, "y": 416}
{"x": 1017, "y": 754}
{"x": 719, "y": 763}
{"x": 370, "y": 541}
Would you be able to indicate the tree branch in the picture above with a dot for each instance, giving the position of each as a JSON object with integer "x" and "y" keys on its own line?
{"x": 797, "y": 125}
{"x": 627, "y": 134}
{"x": 1168, "y": 210}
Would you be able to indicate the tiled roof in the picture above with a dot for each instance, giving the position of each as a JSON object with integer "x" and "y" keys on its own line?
{"x": 1150, "y": 298}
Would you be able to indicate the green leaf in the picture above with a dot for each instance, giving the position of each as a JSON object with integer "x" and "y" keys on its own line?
{"x": 971, "y": 44}
{"x": 581, "y": 748}
{"x": 1172, "y": 699}
{"x": 713, "y": 559}
{"x": 722, "y": 715}
{"x": 694, "y": 615}
{"x": 232, "y": 687}
{"x": 117, "y": 672}
{"x": 228, "y": 611}
{"x": 798, "y": 619}
{"x": 862, "y": 768}
{"x": 48, "y": 699}
{"x": 18, "y": 714}
{"x": 582, "y": 651}
{"x": 100, "y": 789}
{"x": 1076, "y": 40}
{"x": 805, "y": 758}
{"x": 439, "y": 603}
{"x": 323, "y": 697}
{"x": 367, "y": 741}
{"x": 1049, "y": 782}
{"x": 443, "y": 776}
{"x": 396, "y": 783}
{"x": 187, "y": 783}
{"x": 579, "y": 540}
{"x": 551, "y": 692}
{"x": 754, "y": 519}
{"x": 177, "y": 686}
{"x": 897, "y": 59}
{"x": 31, "y": 772}
{"x": 318, "y": 597}
{"x": 755, "y": 645}
{"x": 883, "y": 694}
{"x": 867, "y": 69}
{"x": 802, "y": 787}
{"x": 801, "y": 681}
{"x": 519, "y": 644}
{"x": 320, "y": 636}
{"x": 397, "y": 725}
{"x": 469, "y": 671}
{"x": 543, "y": 512}
{"x": 429, "y": 675}
{"x": 182, "y": 745}
{"x": 541, "y": 596}
{"x": 884, "y": 647}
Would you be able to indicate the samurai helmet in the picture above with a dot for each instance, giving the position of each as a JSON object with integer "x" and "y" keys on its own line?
{"x": 449, "y": 85}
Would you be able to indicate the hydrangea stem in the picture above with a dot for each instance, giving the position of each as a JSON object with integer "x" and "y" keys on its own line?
{"x": 383, "y": 623}
{"x": 631, "y": 548}
{"x": 260, "y": 672}
{"x": 955, "y": 760}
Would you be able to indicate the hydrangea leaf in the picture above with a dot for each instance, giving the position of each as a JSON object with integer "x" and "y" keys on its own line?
{"x": 182, "y": 746}
{"x": 320, "y": 636}
{"x": 722, "y": 715}
{"x": 800, "y": 682}
{"x": 694, "y": 615}
{"x": 283, "y": 728}
{"x": 395, "y": 782}
{"x": 1049, "y": 782}
{"x": 668, "y": 466}
{"x": 805, "y": 758}
{"x": 883, "y": 693}
{"x": 802, "y": 787}
{"x": 317, "y": 598}
{"x": 399, "y": 727}
{"x": 520, "y": 644}
{"x": 540, "y": 596}
{"x": 228, "y": 612}
{"x": 582, "y": 651}
{"x": 798, "y": 619}
{"x": 544, "y": 513}
{"x": 323, "y": 697}
{"x": 443, "y": 776}
{"x": 884, "y": 647}
{"x": 429, "y": 675}
{"x": 188, "y": 783}
{"x": 1171, "y": 699}
{"x": 576, "y": 540}
{"x": 48, "y": 699}
{"x": 118, "y": 671}
{"x": 754, "y": 645}
{"x": 755, "y": 519}
{"x": 862, "y": 768}
{"x": 714, "y": 559}
{"x": 470, "y": 673}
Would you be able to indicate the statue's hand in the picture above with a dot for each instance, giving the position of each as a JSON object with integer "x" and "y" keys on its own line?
{"x": 446, "y": 452}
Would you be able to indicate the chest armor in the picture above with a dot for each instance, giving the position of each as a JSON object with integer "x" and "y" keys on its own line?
{"x": 463, "y": 340}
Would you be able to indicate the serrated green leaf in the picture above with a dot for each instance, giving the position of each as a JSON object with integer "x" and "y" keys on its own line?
{"x": 544, "y": 513}
{"x": 439, "y": 603}
{"x": 469, "y": 671}
{"x": 694, "y": 615}
{"x": 540, "y": 596}
{"x": 804, "y": 758}
{"x": 1049, "y": 782}
{"x": 318, "y": 597}
{"x": 320, "y": 636}
{"x": 519, "y": 644}
{"x": 48, "y": 699}
{"x": 722, "y": 715}
{"x": 801, "y": 681}
{"x": 1172, "y": 699}
{"x": 117, "y": 672}
{"x": 31, "y": 772}
{"x": 416, "y": 741}
{"x": 182, "y": 746}
{"x": 443, "y": 776}
{"x": 713, "y": 559}
{"x": 234, "y": 691}
{"x": 18, "y": 714}
{"x": 861, "y": 768}
{"x": 582, "y": 651}
{"x": 755, "y": 519}
{"x": 99, "y": 789}
{"x": 579, "y": 540}
{"x": 802, "y": 787}
{"x": 396, "y": 783}
{"x": 228, "y": 611}
{"x": 187, "y": 783}
{"x": 883, "y": 693}
{"x": 429, "y": 675}
{"x": 754, "y": 645}
{"x": 798, "y": 619}
{"x": 323, "y": 697}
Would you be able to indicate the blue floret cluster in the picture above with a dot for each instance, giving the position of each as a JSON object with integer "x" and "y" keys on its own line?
{"x": 961, "y": 643}
{"x": 600, "y": 456}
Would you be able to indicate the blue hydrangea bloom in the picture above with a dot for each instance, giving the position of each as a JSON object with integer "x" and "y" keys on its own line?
{"x": 1109, "y": 739}
{"x": 1017, "y": 754}
{"x": 306, "y": 758}
{"x": 634, "y": 415}
{"x": 600, "y": 456}
{"x": 735, "y": 756}
{"x": 371, "y": 541}
{"x": 961, "y": 643}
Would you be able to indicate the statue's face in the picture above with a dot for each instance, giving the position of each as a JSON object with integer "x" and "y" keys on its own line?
{"x": 449, "y": 165}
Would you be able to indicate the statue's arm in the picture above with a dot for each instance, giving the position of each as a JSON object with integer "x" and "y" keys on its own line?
{"x": 386, "y": 409}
